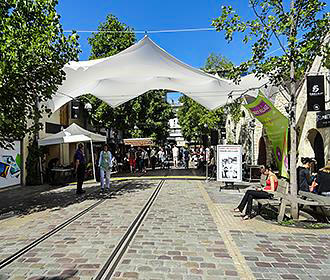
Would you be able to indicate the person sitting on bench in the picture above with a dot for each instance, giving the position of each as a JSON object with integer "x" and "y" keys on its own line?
{"x": 271, "y": 186}
{"x": 323, "y": 180}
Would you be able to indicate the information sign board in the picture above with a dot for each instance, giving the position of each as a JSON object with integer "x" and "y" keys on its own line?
{"x": 229, "y": 163}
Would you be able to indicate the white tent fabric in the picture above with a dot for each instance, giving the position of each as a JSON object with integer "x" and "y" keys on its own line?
{"x": 72, "y": 134}
{"x": 141, "y": 67}
{"x": 63, "y": 138}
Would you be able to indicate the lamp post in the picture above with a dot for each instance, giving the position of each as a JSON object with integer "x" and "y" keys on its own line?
{"x": 88, "y": 109}
{"x": 206, "y": 154}
{"x": 252, "y": 125}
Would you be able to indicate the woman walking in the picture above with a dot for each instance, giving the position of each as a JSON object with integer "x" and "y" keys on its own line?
{"x": 271, "y": 186}
{"x": 105, "y": 164}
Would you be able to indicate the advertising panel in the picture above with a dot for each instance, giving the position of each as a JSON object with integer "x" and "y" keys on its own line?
{"x": 229, "y": 163}
{"x": 276, "y": 128}
{"x": 315, "y": 93}
{"x": 10, "y": 166}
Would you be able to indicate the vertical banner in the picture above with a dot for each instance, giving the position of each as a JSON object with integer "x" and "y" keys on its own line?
{"x": 10, "y": 166}
{"x": 276, "y": 128}
{"x": 229, "y": 163}
{"x": 315, "y": 93}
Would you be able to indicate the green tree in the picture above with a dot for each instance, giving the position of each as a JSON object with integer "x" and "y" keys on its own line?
{"x": 149, "y": 112}
{"x": 194, "y": 119}
{"x": 33, "y": 51}
{"x": 218, "y": 64}
{"x": 112, "y": 38}
{"x": 303, "y": 28}
{"x": 152, "y": 113}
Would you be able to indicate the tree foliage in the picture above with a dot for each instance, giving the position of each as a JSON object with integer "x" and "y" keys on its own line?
{"x": 149, "y": 112}
{"x": 33, "y": 51}
{"x": 299, "y": 32}
{"x": 195, "y": 119}
{"x": 105, "y": 44}
{"x": 218, "y": 64}
{"x": 300, "y": 28}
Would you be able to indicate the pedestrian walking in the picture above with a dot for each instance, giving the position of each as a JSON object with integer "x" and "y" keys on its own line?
{"x": 175, "y": 153}
{"x": 186, "y": 158}
{"x": 145, "y": 160}
{"x": 80, "y": 166}
{"x": 161, "y": 157}
{"x": 153, "y": 158}
{"x": 132, "y": 158}
{"x": 105, "y": 164}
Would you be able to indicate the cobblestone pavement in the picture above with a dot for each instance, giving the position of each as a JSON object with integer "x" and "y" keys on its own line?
{"x": 81, "y": 247}
{"x": 268, "y": 250}
{"x": 178, "y": 240}
{"x": 189, "y": 233}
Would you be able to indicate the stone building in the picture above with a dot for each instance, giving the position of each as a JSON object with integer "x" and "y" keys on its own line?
{"x": 312, "y": 141}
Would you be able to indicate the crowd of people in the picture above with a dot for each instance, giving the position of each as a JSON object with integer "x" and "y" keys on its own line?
{"x": 138, "y": 159}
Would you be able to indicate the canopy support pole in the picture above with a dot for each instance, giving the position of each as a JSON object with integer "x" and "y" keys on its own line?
{"x": 93, "y": 162}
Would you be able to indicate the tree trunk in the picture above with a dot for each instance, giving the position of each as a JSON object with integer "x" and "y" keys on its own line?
{"x": 293, "y": 125}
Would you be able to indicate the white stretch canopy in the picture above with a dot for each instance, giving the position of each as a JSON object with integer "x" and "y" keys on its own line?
{"x": 142, "y": 67}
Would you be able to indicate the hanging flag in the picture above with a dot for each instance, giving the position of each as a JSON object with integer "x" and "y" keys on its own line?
{"x": 315, "y": 93}
{"x": 276, "y": 128}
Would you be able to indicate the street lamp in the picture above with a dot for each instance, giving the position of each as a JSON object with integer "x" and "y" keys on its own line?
{"x": 88, "y": 107}
{"x": 252, "y": 125}
{"x": 207, "y": 153}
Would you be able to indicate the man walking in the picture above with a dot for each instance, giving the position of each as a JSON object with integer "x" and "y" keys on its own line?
{"x": 80, "y": 165}
{"x": 175, "y": 153}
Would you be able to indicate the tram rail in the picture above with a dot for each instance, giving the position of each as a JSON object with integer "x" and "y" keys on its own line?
{"x": 109, "y": 267}
{"x": 5, "y": 262}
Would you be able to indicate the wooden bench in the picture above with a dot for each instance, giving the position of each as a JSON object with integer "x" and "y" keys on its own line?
{"x": 323, "y": 201}
{"x": 282, "y": 198}
{"x": 280, "y": 192}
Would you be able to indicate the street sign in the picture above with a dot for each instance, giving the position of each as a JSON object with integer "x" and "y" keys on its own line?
{"x": 323, "y": 119}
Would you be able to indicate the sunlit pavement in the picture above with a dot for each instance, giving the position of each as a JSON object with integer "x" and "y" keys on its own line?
{"x": 189, "y": 233}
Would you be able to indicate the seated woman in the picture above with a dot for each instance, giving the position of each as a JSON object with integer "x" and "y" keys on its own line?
{"x": 271, "y": 186}
{"x": 323, "y": 180}
{"x": 304, "y": 174}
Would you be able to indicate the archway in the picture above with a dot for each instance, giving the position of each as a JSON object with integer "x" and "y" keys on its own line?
{"x": 319, "y": 151}
{"x": 262, "y": 154}
{"x": 317, "y": 143}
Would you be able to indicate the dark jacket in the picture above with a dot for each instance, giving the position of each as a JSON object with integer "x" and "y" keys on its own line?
{"x": 304, "y": 179}
{"x": 323, "y": 180}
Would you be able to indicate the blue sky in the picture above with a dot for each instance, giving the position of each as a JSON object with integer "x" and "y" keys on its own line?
{"x": 190, "y": 47}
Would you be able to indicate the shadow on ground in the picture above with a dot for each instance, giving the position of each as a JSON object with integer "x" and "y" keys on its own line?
{"x": 18, "y": 204}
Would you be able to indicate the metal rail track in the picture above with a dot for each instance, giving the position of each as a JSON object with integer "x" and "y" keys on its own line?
{"x": 33, "y": 244}
{"x": 109, "y": 267}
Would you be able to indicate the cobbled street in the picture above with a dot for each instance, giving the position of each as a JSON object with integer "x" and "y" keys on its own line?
{"x": 189, "y": 233}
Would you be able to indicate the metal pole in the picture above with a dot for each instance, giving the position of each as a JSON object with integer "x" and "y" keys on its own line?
{"x": 93, "y": 161}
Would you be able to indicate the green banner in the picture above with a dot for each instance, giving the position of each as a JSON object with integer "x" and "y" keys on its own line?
{"x": 276, "y": 128}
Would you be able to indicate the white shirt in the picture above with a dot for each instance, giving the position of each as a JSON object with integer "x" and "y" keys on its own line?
{"x": 175, "y": 152}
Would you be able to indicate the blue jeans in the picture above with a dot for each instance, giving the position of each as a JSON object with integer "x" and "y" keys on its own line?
{"x": 107, "y": 174}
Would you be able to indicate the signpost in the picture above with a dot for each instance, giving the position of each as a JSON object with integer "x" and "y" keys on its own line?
{"x": 229, "y": 163}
